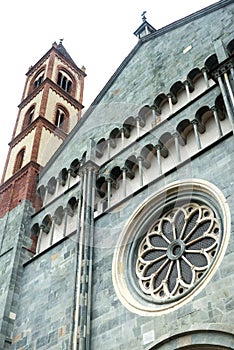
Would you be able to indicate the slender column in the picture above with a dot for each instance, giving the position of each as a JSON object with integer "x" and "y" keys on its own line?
{"x": 205, "y": 76}
{"x": 108, "y": 149}
{"x": 158, "y": 148}
{"x": 154, "y": 121}
{"x": 229, "y": 87}
{"x": 108, "y": 192}
{"x": 69, "y": 178}
{"x": 186, "y": 83}
{"x": 220, "y": 133}
{"x": 226, "y": 102}
{"x": 232, "y": 72}
{"x": 170, "y": 103}
{"x": 86, "y": 254}
{"x": 65, "y": 221}
{"x": 52, "y": 229}
{"x": 89, "y": 304}
{"x": 79, "y": 248}
{"x": 197, "y": 137}
{"x": 140, "y": 170}
{"x": 122, "y": 137}
{"x": 57, "y": 186}
{"x": 46, "y": 195}
{"x": 41, "y": 227}
{"x": 124, "y": 183}
{"x": 138, "y": 126}
{"x": 177, "y": 146}
{"x": 86, "y": 285}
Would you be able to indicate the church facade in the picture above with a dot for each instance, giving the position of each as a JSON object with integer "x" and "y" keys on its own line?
{"x": 117, "y": 225}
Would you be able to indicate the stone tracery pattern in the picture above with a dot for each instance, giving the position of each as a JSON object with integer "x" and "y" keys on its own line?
{"x": 177, "y": 251}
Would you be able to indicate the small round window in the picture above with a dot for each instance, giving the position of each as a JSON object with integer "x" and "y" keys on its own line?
{"x": 170, "y": 247}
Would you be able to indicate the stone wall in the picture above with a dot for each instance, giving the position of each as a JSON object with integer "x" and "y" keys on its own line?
{"x": 44, "y": 316}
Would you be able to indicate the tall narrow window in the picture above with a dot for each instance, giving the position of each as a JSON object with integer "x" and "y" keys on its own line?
{"x": 39, "y": 80}
{"x": 19, "y": 160}
{"x": 59, "y": 119}
{"x": 28, "y": 117}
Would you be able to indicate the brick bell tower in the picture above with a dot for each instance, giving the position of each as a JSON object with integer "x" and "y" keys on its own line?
{"x": 50, "y": 107}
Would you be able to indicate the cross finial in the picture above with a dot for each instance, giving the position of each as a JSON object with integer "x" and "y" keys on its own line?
{"x": 61, "y": 41}
{"x": 143, "y": 16}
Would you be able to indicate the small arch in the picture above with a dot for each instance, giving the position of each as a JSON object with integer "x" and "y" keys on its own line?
{"x": 147, "y": 152}
{"x": 230, "y": 47}
{"x": 115, "y": 134}
{"x": 52, "y": 185}
{"x": 143, "y": 114}
{"x": 63, "y": 176}
{"x": 59, "y": 214}
{"x": 183, "y": 128}
{"x": 46, "y": 223}
{"x": 72, "y": 206}
{"x": 211, "y": 62}
{"x": 100, "y": 147}
{"x": 131, "y": 165}
{"x": 175, "y": 90}
{"x": 41, "y": 192}
{"x": 221, "y": 109}
{"x": 202, "y": 115}
{"x": 19, "y": 160}
{"x": 160, "y": 100}
{"x": 75, "y": 166}
{"x": 164, "y": 140}
{"x": 101, "y": 186}
{"x": 115, "y": 175}
{"x": 128, "y": 125}
{"x": 194, "y": 75}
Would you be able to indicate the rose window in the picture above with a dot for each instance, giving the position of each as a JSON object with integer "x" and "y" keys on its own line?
{"x": 177, "y": 251}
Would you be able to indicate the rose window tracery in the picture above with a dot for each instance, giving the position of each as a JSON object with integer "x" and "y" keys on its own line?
{"x": 176, "y": 251}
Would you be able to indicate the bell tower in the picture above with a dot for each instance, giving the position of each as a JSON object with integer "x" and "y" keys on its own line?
{"x": 50, "y": 107}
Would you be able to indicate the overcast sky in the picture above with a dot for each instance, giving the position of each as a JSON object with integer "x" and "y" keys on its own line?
{"x": 97, "y": 34}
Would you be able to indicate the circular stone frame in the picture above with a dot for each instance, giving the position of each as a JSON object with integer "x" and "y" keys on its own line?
{"x": 173, "y": 195}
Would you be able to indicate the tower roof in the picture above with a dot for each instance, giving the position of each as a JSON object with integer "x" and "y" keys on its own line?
{"x": 63, "y": 51}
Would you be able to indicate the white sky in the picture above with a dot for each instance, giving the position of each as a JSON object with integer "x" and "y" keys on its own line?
{"x": 97, "y": 34}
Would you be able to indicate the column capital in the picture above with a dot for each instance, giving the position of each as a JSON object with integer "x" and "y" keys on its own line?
{"x": 194, "y": 122}
{"x": 176, "y": 135}
{"x": 158, "y": 147}
{"x": 54, "y": 218}
{"x": 89, "y": 165}
{"x": 204, "y": 70}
